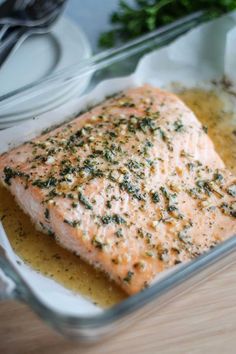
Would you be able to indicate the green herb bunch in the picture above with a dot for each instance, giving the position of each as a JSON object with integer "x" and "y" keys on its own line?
{"x": 146, "y": 15}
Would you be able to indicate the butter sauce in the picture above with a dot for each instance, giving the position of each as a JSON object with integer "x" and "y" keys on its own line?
{"x": 44, "y": 255}
{"x": 214, "y": 113}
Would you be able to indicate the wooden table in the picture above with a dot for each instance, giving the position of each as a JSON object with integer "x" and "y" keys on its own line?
{"x": 201, "y": 321}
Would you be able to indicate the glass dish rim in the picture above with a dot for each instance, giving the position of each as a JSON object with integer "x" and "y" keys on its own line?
{"x": 135, "y": 302}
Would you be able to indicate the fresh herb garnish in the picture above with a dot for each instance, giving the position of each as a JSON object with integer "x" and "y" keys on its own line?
{"x": 10, "y": 173}
{"x": 73, "y": 223}
{"x": 143, "y": 16}
{"x": 117, "y": 219}
{"x": 119, "y": 233}
{"x": 46, "y": 214}
{"x": 130, "y": 188}
{"x": 178, "y": 126}
{"x": 128, "y": 277}
{"x": 155, "y": 197}
{"x": 44, "y": 184}
{"x": 83, "y": 200}
{"x": 98, "y": 244}
{"x": 232, "y": 190}
{"x": 218, "y": 177}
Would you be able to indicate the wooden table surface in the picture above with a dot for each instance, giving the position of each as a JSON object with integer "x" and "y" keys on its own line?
{"x": 200, "y": 321}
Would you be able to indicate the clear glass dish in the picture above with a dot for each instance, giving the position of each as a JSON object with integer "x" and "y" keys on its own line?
{"x": 114, "y": 63}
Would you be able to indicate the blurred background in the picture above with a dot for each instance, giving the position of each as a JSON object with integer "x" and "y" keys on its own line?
{"x": 92, "y": 16}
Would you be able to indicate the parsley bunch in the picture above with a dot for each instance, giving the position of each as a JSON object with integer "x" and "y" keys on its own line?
{"x": 146, "y": 15}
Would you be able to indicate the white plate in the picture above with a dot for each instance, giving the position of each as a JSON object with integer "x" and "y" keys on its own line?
{"x": 7, "y": 123}
{"x": 38, "y": 57}
{"x": 64, "y": 95}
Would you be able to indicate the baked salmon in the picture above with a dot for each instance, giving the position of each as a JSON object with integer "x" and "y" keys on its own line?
{"x": 134, "y": 186}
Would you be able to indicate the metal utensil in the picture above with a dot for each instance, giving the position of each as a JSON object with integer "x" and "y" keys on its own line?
{"x": 6, "y": 8}
{"x": 5, "y": 11}
{"x": 20, "y": 33}
{"x": 3, "y": 30}
{"x": 28, "y": 12}
{"x": 16, "y": 12}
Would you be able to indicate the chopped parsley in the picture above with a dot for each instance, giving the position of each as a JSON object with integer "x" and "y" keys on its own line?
{"x": 178, "y": 126}
{"x": 10, "y": 173}
{"x": 47, "y": 214}
{"x": 155, "y": 197}
{"x": 73, "y": 223}
{"x": 232, "y": 190}
{"x": 98, "y": 244}
{"x": 44, "y": 184}
{"x": 130, "y": 188}
{"x": 83, "y": 200}
{"x": 128, "y": 277}
{"x": 115, "y": 218}
{"x": 119, "y": 233}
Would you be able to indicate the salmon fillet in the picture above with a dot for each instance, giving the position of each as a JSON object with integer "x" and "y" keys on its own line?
{"x": 134, "y": 186}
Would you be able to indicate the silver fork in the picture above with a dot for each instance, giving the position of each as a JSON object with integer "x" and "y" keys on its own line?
{"x": 5, "y": 11}
{"x": 38, "y": 19}
{"x": 28, "y": 13}
{"x": 14, "y": 13}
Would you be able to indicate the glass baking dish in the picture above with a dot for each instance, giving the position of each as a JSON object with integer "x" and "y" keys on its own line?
{"x": 91, "y": 327}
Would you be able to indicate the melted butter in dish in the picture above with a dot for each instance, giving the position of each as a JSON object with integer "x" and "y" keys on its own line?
{"x": 46, "y": 256}
{"x": 210, "y": 109}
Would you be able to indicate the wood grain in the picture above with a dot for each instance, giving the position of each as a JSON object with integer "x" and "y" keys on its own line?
{"x": 201, "y": 321}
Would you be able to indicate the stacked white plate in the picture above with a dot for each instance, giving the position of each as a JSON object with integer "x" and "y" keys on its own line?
{"x": 38, "y": 57}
